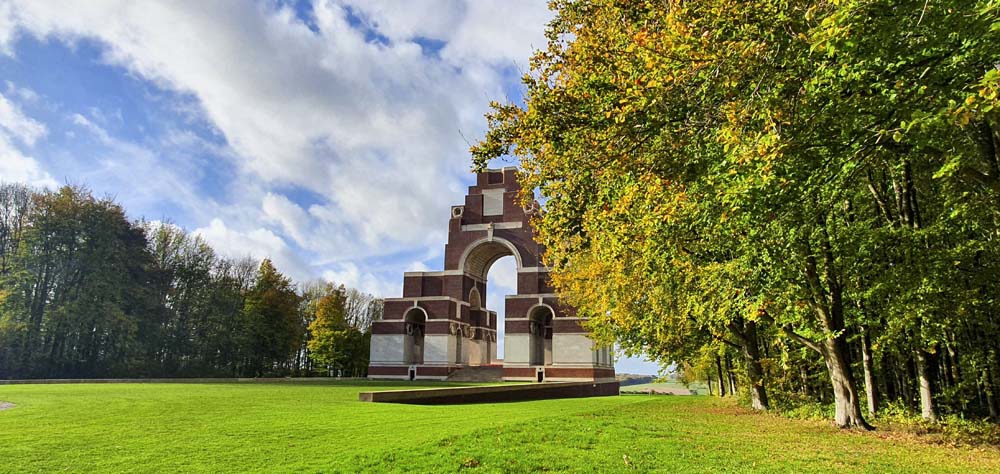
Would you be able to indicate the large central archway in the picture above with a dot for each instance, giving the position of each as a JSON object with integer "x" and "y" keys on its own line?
{"x": 501, "y": 281}
{"x": 482, "y": 254}
{"x": 544, "y": 340}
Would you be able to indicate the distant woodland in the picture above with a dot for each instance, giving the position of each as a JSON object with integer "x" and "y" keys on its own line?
{"x": 87, "y": 293}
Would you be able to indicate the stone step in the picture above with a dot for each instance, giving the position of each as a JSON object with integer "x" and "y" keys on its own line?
{"x": 487, "y": 373}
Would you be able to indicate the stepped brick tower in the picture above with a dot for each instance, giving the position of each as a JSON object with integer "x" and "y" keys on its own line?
{"x": 441, "y": 324}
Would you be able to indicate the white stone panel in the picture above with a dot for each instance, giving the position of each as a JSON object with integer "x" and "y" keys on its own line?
{"x": 475, "y": 352}
{"x": 516, "y": 349}
{"x": 493, "y": 202}
{"x": 439, "y": 349}
{"x": 386, "y": 349}
{"x": 572, "y": 349}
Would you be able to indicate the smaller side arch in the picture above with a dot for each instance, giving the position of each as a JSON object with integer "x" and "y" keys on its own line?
{"x": 536, "y": 306}
{"x": 475, "y": 300}
{"x": 412, "y": 312}
{"x": 415, "y": 324}
{"x": 540, "y": 348}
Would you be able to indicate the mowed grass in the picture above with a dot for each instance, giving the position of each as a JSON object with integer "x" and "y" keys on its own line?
{"x": 314, "y": 427}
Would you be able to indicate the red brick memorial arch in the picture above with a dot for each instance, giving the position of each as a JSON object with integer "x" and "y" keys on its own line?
{"x": 441, "y": 327}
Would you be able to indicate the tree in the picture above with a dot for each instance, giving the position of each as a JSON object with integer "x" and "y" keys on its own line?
{"x": 728, "y": 167}
{"x": 15, "y": 208}
{"x": 179, "y": 332}
{"x": 84, "y": 292}
{"x": 75, "y": 288}
{"x": 335, "y": 342}
{"x": 270, "y": 330}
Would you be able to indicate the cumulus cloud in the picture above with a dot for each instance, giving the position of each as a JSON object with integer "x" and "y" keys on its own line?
{"x": 490, "y": 31}
{"x": 18, "y": 125}
{"x": 7, "y": 28}
{"x": 279, "y": 209}
{"x": 418, "y": 267}
{"x": 15, "y": 165}
{"x": 372, "y": 126}
{"x": 348, "y": 274}
{"x": 26, "y": 94}
{"x": 257, "y": 243}
{"x": 350, "y": 105}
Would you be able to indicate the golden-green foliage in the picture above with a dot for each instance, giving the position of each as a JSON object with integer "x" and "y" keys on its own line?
{"x": 775, "y": 175}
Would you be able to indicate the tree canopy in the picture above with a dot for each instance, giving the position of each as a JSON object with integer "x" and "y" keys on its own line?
{"x": 85, "y": 292}
{"x": 765, "y": 178}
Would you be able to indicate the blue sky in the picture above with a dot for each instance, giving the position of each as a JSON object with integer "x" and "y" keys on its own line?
{"x": 330, "y": 136}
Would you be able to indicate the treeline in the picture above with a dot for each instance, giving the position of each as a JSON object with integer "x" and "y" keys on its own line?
{"x": 797, "y": 200}
{"x": 87, "y": 293}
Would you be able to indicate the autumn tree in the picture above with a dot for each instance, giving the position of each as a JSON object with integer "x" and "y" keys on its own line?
{"x": 335, "y": 340}
{"x": 270, "y": 330}
{"x": 805, "y": 170}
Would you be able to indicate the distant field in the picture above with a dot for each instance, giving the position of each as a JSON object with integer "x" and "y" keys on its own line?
{"x": 321, "y": 427}
{"x": 694, "y": 388}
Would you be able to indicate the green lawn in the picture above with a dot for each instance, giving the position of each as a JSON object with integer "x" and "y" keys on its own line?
{"x": 321, "y": 427}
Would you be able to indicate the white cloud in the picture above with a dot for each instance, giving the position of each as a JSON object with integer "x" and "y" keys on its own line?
{"x": 371, "y": 130}
{"x": 348, "y": 274}
{"x": 16, "y": 167}
{"x": 7, "y": 28}
{"x": 292, "y": 219}
{"x": 418, "y": 266}
{"x": 93, "y": 128}
{"x": 258, "y": 243}
{"x": 401, "y": 21}
{"x": 490, "y": 31}
{"x": 17, "y": 125}
{"x": 499, "y": 31}
{"x": 161, "y": 178}
{"x": 24, "y": 93}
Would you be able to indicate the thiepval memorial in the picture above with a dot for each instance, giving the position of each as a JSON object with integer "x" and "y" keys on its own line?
{"x": 441, "y": 325}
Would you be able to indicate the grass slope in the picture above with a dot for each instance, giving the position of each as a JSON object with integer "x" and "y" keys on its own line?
{"x": 321, "y": 427}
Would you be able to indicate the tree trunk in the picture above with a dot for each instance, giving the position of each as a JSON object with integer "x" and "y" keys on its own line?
{"x": 729, "y": 375}
{"x": 925, "y": 377}
{"x": 805, "y": 381}
{"x": 991, "y": 402}
{"x": 871, "y": 391}
{"x": 722, "y": 382}
{"x": 889, "y": 376}
{"x": 755, "y": 372}
{"x": 904, "y": 379}
{"x": 709, "y": 384}
{"x": 827, "y": 303}
{"x": 845, "y": 393}
{"x": 956, "y": 367}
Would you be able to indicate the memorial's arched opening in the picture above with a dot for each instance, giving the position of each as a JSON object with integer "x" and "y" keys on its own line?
{"x": 441, "y": 324}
